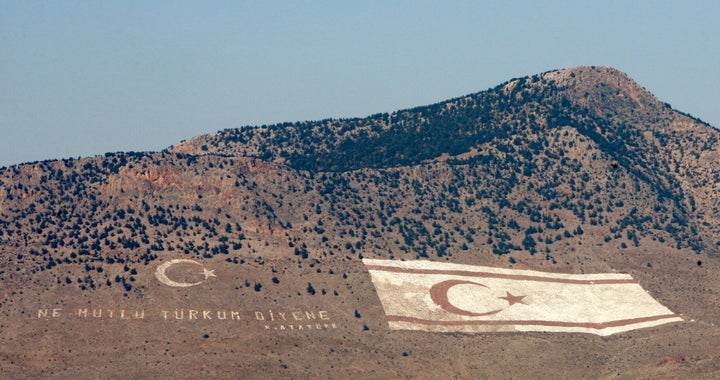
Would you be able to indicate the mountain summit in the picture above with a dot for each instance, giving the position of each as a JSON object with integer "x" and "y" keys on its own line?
{"x": 578, "y": 170}
{"x": 594, "y": 124}
{"x": 583, "y": 97}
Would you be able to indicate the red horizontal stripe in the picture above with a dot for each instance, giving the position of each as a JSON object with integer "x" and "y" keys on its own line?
{"x": 522, "y": 277}
{"x": 589, "y": 325}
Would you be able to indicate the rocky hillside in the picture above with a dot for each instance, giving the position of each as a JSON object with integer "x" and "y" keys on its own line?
{"x": 582, "y": 133}
{"x": 533, "y": 170}
{"x": 574, "y": 171}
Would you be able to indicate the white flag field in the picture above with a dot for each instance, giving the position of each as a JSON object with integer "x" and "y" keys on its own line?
{"x": 444, "y": 297}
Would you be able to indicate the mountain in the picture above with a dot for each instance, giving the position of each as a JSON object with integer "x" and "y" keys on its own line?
{"x": 537, "y": 137}
{"x": 578, "y": 170}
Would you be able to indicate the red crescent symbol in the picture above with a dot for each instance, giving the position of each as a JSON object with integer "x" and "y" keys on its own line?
{"x": 439, "y": 295}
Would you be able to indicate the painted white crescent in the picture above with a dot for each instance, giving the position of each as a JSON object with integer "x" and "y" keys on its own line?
{"x": 163, "y": 278}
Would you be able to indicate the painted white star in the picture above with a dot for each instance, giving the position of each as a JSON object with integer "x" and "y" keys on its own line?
{"x": 208, "y": 273}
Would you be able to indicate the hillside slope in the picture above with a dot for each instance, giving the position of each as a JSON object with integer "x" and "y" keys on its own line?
{"x": 531, "y": 169}
{"x": 576, "y": 171}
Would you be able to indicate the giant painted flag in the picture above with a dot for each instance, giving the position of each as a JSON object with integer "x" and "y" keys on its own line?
{"x": 444, "y": 297}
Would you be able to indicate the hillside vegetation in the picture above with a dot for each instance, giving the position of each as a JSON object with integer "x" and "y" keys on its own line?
{"x": 559, "y": 170}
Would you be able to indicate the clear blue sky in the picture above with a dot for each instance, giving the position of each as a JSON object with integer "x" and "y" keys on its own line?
{"x": 80, "y": 78}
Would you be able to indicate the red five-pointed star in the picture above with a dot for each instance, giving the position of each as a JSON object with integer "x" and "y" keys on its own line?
{"x": 513, "y": 299}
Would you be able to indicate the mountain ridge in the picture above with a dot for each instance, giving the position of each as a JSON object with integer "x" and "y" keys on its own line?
{"x": 565, "y": 78}
{"x": 604, "y": 101}
{"x": 523, "y": 128}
